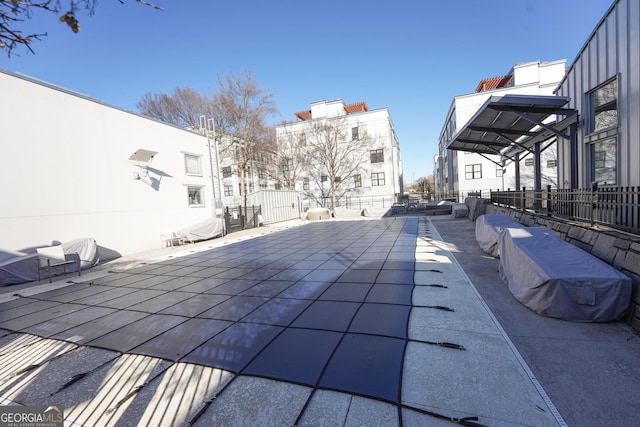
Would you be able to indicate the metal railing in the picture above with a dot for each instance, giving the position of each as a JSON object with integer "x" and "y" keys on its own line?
{"x": 617, "y": 207}
{"x": 236, "y": 218}
{"x": 460, "y": 196}
{"x": 352, "y": 202}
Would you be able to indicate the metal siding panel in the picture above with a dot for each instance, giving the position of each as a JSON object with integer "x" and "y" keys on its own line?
{"x": 613, "y": 52}
{"x": 563, "y": 154}
{"x": 276, "y": 204}
{"x": 632, "y": 89}
{"x": 614, "y": 49}
{"x": 580, "y": 80}
{"x": 623, "y": 70}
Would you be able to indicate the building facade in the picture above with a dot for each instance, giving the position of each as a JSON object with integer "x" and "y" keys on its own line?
{"x": 73, "y": 167}
{"x": 369, "y": 166}
{"x": 603, "y": 84}
{"x": 460, "y": 173}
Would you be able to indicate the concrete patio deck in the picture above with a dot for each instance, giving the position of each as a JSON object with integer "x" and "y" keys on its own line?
{"x": 393, "y": 321}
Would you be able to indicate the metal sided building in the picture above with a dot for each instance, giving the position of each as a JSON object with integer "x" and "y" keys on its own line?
{"x": 603, "y": 85}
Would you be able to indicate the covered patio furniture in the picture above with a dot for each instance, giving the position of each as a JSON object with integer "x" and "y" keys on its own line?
{"x": 557, "y": 279}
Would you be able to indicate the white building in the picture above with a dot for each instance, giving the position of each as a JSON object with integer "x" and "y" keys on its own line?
{"x": 378, "y": 179}
{"x": 73, "y": 167}
{"x": 257, "y": 177}
{"x": 458, "y": 173}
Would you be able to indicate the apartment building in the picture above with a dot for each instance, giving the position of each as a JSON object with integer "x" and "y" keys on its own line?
{"x": 458, "y": 173}
{"x": 345, "y": 149}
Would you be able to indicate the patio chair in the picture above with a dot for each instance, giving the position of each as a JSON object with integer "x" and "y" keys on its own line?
{"x": 50, "y": 257}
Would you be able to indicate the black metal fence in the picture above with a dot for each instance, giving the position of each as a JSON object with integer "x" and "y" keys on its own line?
{"x": 617, "y": 207}
{"x": 460, "y": 196}
{"x": 236, "y": 218}
{"x": 352, "y": 202}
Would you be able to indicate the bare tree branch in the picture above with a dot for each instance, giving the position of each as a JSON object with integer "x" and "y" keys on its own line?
{"x": 183, "y": 108}
{"x": 244, "y": 108}
{"x": 15, "y": 12}
{"x": 335, "y": 154}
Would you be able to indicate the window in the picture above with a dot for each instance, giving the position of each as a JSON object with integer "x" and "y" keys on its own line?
{"x": 305, "y": 184}
{"x": 552, "y": 163}
{"x": 303, "y": 139}
{"x": 357, "y": 181}
{"x": 354, "y": 133}
{"x": 377, "y": 179}
{"x": 604, "y": 161}
{"x": 262, "y": 186}
{"x": 337, "y": 179}
{"x": 192, "y": 164}
{"x": 226, "y": 171}
{"x": 324, "y": 178}
{"x": 278, "y": 186}
{"x": 228, "y": 190}
{"x": 528, "y": 162}
{"x": 262, "y": 174}
{"x": 377, "y": 156}
{"x": 287, "y": 165}
{"x": 238, "y": 151}
{"x": 196, "y": 195}
{"x": 604, "y": 110}
{"x": 473, "y": 171}
{"x": 499, "y": 170}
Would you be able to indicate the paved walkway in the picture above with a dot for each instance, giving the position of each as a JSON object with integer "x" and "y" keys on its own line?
{"x": 332, "y": 323}
{"x": 589, "y": 370}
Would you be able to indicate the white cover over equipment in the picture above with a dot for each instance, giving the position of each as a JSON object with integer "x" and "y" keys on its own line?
{"x": 557, "y": 279}
{"x": 25, "y": 268}
{"x": 488, "y": 228}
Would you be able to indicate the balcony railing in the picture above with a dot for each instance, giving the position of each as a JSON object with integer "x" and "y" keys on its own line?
{"x": 617, "y": 207}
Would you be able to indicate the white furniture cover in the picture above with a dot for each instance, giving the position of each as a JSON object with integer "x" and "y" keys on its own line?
{"x": 488, "y": 228}
{"x": 25, "y": 268}
{"x": 557, "y": 279}
{"x": 460, "y": 210}
{"x": 204, "y": 230}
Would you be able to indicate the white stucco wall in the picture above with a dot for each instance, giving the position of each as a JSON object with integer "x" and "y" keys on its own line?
{"x": 66, "y": 172}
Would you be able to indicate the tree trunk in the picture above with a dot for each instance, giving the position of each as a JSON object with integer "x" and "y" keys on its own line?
{"x": 333, "y": 194}
{"x": 243, "y": 191}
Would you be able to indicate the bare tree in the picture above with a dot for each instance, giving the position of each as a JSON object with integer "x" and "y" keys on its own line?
{"x": 244, "y": 109}
{"x": 425, "y": 184}
{"x": 289, "y": 157}
{"x": 335, "y": 154}
{"x": 183, "y": 108}
{"x": 14, "y": 12}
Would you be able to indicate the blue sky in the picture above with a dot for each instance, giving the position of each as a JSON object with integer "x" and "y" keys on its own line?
{"x": 410, "y": 56}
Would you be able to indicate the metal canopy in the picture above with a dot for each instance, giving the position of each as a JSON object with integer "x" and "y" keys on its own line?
{"x": 510, "y": 124}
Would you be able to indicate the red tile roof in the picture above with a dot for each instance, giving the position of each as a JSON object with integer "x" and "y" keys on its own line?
{"x": 349, "y": 109}
{"x": 356, "y": 108}
{"x": 303, "y": 115}
{"x": 493, "y": 83}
